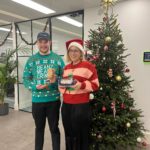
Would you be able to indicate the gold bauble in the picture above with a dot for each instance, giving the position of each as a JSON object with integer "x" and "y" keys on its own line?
{"x": 108, "y": 39}
{"x": 118, "y": 78}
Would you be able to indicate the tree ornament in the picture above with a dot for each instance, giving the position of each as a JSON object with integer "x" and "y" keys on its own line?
{"x": 110, "y": 73}
{"x": 106, "y": 48}
{"x": 144, "y": 143}
{"x": 122, "y": 106}
{"x": 108, "y": 39}
{"x": 108, "y": 1}
{"x": 99, "y": 136}
{"x": 127, "y": 70}
{"x": 110, "y": 70}
{"x": 118, "y": 78}
{"x": 103, "y": 109}
{"x": 128, "y": 125}
{"x": 113, "y": 107}
{"x": 91, "y": 96}
{"x": 139, "y": 139}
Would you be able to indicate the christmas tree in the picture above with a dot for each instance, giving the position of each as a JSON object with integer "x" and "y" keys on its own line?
{"x": 116, "y": 122}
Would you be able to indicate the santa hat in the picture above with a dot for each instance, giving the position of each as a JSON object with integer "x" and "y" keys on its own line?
{"x": 75, "y": 42}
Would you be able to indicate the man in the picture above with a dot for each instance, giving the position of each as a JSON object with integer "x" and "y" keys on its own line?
{"x": 45, "y": 94}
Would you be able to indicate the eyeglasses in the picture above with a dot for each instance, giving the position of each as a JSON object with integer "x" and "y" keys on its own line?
{"x": 74, "y": 51}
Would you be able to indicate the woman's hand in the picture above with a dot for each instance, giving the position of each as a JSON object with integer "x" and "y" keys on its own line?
{"x": 77, "y": 85}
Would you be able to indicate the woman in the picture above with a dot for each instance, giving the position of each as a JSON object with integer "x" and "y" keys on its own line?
{"x": 75, "y": 109}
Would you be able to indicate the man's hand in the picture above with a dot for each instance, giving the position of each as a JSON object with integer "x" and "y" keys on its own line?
{"x": 40, "y": 86}
{"x": 53, "y": 80}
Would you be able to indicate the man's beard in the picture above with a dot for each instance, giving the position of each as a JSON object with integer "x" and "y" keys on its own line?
{"x": 44, "y": 51}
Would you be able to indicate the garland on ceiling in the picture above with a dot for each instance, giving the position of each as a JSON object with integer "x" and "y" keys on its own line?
{"x": 23, "y": 39}
{"x": 6, "y": 38}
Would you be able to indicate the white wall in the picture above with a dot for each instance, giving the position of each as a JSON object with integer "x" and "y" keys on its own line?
{"x": 135, "y": 24}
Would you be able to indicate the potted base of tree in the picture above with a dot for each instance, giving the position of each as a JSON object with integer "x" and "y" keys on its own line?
{"x": 4, "y": 109}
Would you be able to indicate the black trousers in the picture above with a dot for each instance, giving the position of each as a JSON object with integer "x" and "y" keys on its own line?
{"x": 76, "y": 121}
{"x": 40, "y": 112}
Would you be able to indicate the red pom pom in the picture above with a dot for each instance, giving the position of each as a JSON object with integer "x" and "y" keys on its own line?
{"x": 103, "y": 109}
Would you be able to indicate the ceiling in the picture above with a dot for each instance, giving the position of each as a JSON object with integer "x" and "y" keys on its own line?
{"x": 13, "y": 12}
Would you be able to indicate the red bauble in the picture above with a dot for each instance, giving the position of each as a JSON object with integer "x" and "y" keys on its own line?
{"x": 144, "y": 144}
{"x": 122, "y": 106}
{"x": 103, "y": 109}
{"x": 127, "y": 70}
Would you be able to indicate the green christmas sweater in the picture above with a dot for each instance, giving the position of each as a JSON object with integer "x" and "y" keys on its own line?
{"x": 35, "y": 73}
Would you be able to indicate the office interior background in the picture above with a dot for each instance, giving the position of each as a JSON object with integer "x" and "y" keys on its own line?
{"x": 68, "y": 19}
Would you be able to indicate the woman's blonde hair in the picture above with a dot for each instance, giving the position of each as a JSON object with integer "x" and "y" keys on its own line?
{"x": 67, "y": 58}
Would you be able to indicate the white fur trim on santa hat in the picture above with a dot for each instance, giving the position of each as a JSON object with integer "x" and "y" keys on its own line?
{"x": 76, "y": 45}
